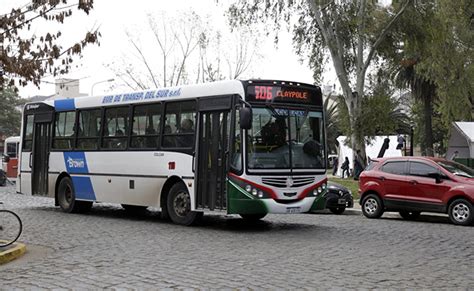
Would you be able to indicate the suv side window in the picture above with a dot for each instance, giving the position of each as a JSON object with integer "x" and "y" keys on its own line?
{"x": 395, "y": 167}
{"x": 421, "y": 169}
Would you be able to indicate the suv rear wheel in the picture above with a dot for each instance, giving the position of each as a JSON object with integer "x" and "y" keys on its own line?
{"x": 372, "y": 206}
{"x": 461, "y": 212}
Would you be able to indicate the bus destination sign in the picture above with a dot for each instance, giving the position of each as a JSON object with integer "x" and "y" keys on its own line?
{"x": 261, "y": 93}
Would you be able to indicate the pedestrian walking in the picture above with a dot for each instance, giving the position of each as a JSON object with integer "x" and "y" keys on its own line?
{"x": 345, "y": 167}
{"x": 400, "y": 142}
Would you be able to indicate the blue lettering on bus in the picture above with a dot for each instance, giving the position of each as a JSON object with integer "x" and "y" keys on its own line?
{"x": 150, "y": 95}
{"x": 162, "y": 93}
{"x": 137, "y": 96}
{"x": 107, "y": 99}
{"x": 175, "y": 93}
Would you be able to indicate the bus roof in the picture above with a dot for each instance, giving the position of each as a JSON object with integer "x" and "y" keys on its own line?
{"x": 170, "y": 93}
{"x": 230, "y": 87}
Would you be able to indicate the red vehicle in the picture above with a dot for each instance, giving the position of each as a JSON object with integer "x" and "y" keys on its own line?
{"x": 411, "y": 185}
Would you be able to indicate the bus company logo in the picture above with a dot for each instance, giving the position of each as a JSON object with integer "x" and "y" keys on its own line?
{"x": 75, "y": 163}
{"x": 289, "y": 182}
{"x": 34, "y": 106}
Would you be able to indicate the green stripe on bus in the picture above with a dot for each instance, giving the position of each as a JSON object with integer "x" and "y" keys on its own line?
{"x": 319, "y": 203}
{"x": 241, "y": 202}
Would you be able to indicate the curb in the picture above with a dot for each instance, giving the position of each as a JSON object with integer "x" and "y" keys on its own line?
{"x": 13, "y": 252}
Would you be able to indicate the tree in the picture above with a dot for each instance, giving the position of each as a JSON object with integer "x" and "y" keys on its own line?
{"x": 187, "y": 50}
{"x": 381, "y": 111}
{"x": 10, "y": 116}
{"x": 350, "y": 32}
{"x": 431, "y": 53}
{"x": 27, "y": 55}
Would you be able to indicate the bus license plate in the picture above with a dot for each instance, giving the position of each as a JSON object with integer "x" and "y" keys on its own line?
{"x": 293, "y": 209}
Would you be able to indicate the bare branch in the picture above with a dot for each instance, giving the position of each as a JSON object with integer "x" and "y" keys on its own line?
{"x": 383, "y": 33}
{"x": 145, "y": 62}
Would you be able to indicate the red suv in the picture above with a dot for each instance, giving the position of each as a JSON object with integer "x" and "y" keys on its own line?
{"x": 412, "y": 185}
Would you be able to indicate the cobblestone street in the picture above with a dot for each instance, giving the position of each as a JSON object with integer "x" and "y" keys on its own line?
{"x": 108, "y": 248}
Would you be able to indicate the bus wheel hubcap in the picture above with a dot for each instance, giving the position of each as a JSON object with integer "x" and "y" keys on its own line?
{"x": 181, "y": 204}
{"x": 66, "y": 198}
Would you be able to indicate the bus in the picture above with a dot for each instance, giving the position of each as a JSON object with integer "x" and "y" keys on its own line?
{"x": 248, "y": 147}
{"x": 10, "y": 157}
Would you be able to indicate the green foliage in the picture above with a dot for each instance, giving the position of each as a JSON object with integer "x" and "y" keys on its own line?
{"x": 27, "y": 55}
{"x": 381, "y": 113}
{"x": 432, "y": 53}
{"x": 332, "y": 124}
{"x": 10, "y": 117}
{"x": 349, "y": 183}
{"x": 440, "y": 131}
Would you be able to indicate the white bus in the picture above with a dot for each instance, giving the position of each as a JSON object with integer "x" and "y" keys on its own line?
{"x": 240, "y": 147}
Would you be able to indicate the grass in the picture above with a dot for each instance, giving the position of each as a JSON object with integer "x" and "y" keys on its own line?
{"x": 349, "y": 183}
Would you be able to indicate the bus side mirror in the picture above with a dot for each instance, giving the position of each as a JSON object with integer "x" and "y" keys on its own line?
{"x": 6, "y": 158}
{"x": 245, "y": 117}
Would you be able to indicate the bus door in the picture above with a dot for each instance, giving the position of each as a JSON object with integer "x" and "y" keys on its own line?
{"x": 39, "y": 158}
{"x": 212, "y": 151}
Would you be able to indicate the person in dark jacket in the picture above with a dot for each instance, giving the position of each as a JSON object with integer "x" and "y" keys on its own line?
{"x": 345, "y": 167}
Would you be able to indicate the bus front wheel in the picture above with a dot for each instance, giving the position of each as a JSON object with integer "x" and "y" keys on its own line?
{"x": 67, "y": 198}
{"x": 179, "y": 206}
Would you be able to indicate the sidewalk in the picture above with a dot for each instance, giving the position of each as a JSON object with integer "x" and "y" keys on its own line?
{"x": 12, "y": 252}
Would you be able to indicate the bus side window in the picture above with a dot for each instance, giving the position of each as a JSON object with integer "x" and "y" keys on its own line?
{"x": 115, "y": 128}
{"x": 179, "y": 128}
{"x": 63, "y": 137}
{"x": 28, "y": 134}
{"x": 145, "y": 126}
{"x": 88, "y": 129}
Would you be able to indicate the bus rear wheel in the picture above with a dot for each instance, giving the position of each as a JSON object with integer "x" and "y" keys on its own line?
{"x": 179, "y": 206}
{"x": 67, "y": 198}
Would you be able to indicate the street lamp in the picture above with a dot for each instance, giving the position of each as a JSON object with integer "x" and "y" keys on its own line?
{"x": 104, "y": 81}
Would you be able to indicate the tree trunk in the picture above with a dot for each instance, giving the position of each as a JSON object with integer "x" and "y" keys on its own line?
{"x": 357, "y": 138}
{"x": 428, "y": 126}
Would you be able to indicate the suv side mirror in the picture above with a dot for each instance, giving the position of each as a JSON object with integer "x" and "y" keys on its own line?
{"x": 6, "y": 158}
{"x": 437, "y": 176}
{"x": 245, "y": 117}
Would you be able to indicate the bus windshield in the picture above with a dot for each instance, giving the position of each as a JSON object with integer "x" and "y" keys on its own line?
{"x": 286, "y": 139}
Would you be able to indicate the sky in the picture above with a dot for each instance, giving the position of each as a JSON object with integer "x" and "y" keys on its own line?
{"x": 115, "y": 17}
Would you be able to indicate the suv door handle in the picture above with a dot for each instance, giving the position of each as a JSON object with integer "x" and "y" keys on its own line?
{"x": 413, "y": 182}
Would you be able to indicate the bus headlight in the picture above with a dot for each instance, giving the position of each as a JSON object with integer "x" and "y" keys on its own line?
{"x": 257, "y": 191}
